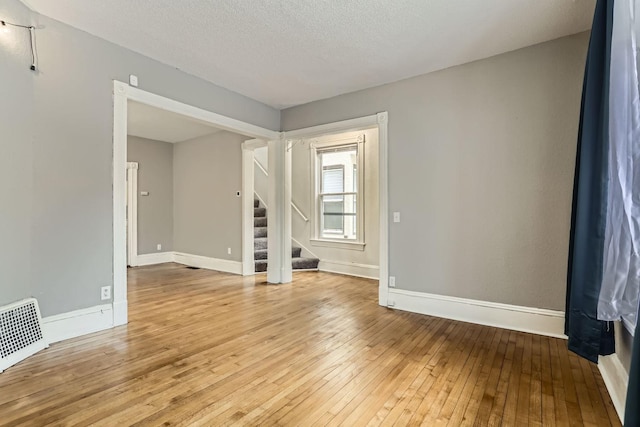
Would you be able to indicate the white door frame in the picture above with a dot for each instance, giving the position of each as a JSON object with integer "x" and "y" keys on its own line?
{"x": 122, "y": 93}
{"x": 380, "y": 121}
{"x": 248, "y": 190}
{"x": 132, "y": 213}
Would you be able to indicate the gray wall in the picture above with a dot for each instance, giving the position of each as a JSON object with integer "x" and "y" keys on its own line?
{"x": 16, "y": 148}
{"x": 155, "y": 175}
{"x": 207, "y": 213}
{"x": 59, "y": 122}
{"x": 481, "y": 160}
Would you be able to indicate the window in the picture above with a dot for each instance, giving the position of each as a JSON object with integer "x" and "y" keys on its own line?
{"x": 332, "y": 199}
{"x": 338, "y": 198}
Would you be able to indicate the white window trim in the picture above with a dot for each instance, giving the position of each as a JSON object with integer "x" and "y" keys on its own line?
{"x": 315, "y": 222}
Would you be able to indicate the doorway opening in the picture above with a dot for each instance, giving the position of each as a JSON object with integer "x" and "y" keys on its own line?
{"x": 124, "y": 96}
{"x": 336, "y": 155}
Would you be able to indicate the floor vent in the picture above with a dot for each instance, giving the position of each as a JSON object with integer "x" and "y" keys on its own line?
{"x": 20, "y": 332}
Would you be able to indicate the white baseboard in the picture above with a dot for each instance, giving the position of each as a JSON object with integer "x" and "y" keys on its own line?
{"x": 518, "y": 318}
{"x": 616, "y": 378}
{"x": 350, "y": 269}
{"x": 224, "y": 265}
{"x": 76, "y": 323}
{"x": 154, "y": 258}
{"x": 120, "y": 313}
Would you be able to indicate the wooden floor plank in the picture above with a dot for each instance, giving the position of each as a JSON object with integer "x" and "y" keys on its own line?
{"x": 209, "y": 348}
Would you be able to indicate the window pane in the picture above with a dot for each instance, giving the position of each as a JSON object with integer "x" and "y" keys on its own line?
{"x": 339, "y": 216}
{"x": 333, "y": 180}
{"x": 337, "y": 169}
{"x": 333, "y": 217}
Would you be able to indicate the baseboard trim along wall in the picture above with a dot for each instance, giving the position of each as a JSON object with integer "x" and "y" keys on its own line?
{"x": 224, "y": 265}
{"x": 154, "y": 258}
{"x": 227, "y": 266}
{"x": 518, "y": 318}
{"x": 350, "y": 268}
{"x": 616, "y": 379}
{"x": 76, "y": 323}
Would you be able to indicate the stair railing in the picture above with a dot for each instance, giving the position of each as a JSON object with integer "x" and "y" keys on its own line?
{"x": 293, "y": 205}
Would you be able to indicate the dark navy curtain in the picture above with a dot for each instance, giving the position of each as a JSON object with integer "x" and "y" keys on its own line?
{"x": 588, "y": 336}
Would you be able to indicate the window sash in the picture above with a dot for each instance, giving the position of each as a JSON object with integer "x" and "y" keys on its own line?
{"x": 344, "y": 226}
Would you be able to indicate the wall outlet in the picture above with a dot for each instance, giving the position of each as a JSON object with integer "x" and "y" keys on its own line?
{"x": 133, "y": 80}
{"x": 105, "y": 292}
{"x": 159, "y": 247}
{"x": 229, "y": 251}
{"x": 396, "y": 217}
{"x": 392, "y": 281}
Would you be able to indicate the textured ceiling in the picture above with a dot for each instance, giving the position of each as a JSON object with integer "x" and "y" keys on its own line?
{"x": 289, "y": 52}
{"x": 153, "y": 123}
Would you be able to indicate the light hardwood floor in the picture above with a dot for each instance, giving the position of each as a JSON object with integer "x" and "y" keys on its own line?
{"x": 207, "y": 348}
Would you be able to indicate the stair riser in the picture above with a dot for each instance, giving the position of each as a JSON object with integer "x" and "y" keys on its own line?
{"x": 256, "y": 203}
{"x": 304, "y": 263}
{"x": 260, "y": 232}
{"x": 260, "y": 243}
{"x": 260, "y": 222}
{"x": 259, "y": 212}
{"x": 261, "y": 266}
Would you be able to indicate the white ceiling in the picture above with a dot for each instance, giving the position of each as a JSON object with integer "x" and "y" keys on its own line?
{"x": 289, "y": 52}
{"x": 153, "y": 123}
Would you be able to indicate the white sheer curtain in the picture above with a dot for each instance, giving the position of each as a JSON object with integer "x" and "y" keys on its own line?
{"x": 621, "y": 273}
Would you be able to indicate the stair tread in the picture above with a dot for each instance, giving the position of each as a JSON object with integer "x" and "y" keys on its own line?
{"x": 261, "y": 254}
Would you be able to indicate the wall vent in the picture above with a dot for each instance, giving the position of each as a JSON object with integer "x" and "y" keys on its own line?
{"x": 20, "y": 332}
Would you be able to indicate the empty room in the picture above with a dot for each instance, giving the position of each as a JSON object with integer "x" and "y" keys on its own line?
{"x": 310, "y": 213}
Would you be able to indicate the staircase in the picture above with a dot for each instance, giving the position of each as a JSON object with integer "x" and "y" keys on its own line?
{"x": 260, "y": 244}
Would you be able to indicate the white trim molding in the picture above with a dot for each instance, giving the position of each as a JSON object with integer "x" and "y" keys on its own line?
{"x": 355, "y": 246}
{"x": 518, "y": 318}
{"x": 155, "y": 258}
{"x": 224, "y": 265}
{"x": 616, "y": 379}
{"x": 77, "y": 323}
{"x": 132, "y": 213}
{"x": 350, "y": 269}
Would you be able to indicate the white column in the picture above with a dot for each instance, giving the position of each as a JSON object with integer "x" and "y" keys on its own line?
{"x": 279, "y": 213}
{"x": 286, "y": 275}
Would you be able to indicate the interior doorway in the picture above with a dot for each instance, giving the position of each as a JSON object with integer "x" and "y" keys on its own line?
{"x": 379, "y": 123}
{"x": 123, "y": 94}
